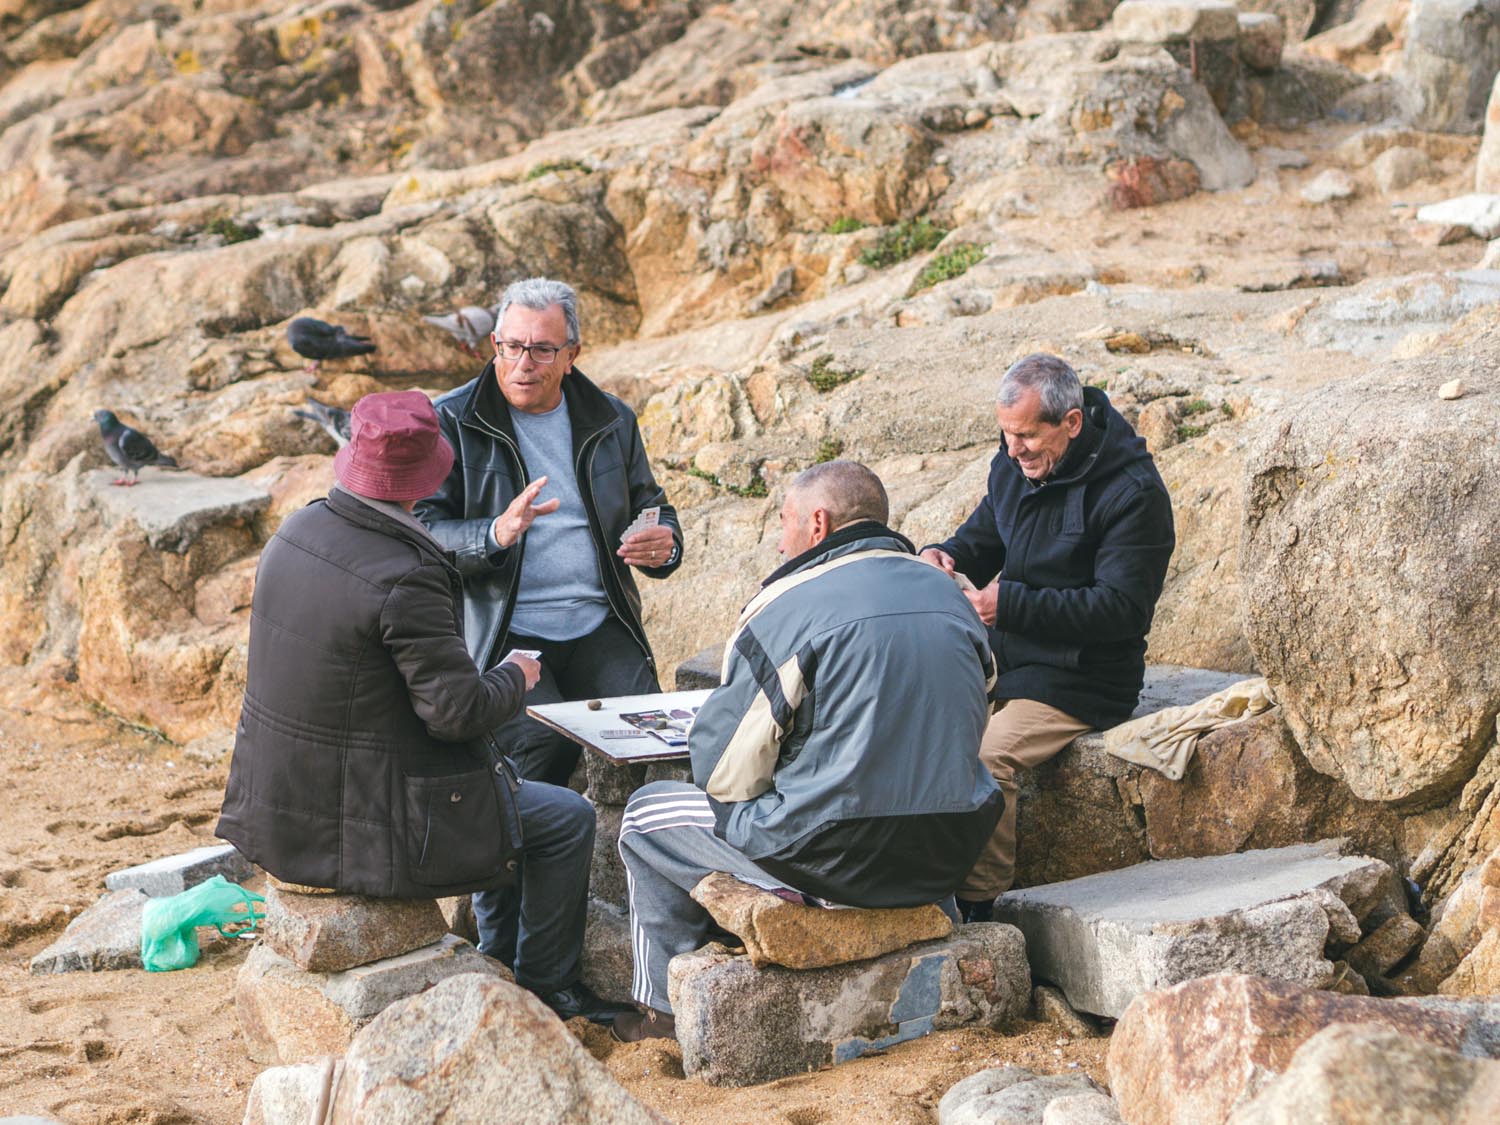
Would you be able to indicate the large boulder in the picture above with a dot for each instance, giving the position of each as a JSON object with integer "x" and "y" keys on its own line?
{"x": 1371, "y": 554}
{"x": 1363, "y": 1075}
{"x": 476, "y": 1049}
{"x": 1193, "y": 1054}
{"x": 1451, "y": 56}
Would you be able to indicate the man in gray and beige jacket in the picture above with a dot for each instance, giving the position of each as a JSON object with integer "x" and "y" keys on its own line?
{"x": 839, "y": 758}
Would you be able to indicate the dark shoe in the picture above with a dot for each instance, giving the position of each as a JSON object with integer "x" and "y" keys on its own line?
{"x": 579, "y": 1000}
{"x": 633, "y": 1026}
{"x": 981, "y": 911}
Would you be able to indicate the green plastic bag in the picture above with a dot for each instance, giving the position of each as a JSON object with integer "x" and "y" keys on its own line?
{"x": 169, "y": 926}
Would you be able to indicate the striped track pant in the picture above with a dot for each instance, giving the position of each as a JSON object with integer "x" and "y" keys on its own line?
{"x": 668, "y": 844}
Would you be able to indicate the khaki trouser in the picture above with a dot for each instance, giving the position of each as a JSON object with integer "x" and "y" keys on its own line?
{"x": 1021, "y": 735}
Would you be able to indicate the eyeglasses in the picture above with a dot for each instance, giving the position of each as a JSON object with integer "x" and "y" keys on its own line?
{"x": 540, "y": 353}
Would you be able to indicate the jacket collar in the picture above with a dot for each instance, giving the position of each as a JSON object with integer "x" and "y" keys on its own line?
{"x": 363, "y": 512}
{"x": 862, "y": 536}
{"x": 589, "y": 408}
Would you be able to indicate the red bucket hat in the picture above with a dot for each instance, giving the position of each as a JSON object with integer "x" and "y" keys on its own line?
{"x": 395, "y": 450}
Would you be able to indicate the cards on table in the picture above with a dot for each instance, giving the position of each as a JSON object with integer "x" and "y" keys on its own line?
{"x": 648, "y": 517}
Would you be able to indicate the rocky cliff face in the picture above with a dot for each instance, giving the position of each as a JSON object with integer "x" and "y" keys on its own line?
{"x": 799, "y": 231}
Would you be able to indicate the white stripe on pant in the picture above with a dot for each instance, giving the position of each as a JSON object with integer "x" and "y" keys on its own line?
{"x": 668, "y": 845}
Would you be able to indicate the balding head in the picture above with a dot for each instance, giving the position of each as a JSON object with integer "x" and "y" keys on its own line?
{"x": 826, "y": 497}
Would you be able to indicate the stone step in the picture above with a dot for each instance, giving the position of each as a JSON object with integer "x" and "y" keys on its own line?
{"x": 740, "y": 1025}
{"x": 173, "y": 874}
{"x": 173, "y": 508}
{"x": 328, "y": 933}
{"x": 290, "y": 1016}
{"x": 1107, "y": 938}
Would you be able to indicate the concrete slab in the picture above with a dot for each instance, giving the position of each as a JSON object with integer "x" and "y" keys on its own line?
{"x": 740, "y": 1025}
{"x": 173, "y": 508}
{"x": 173, "y": 874}
{"x": 1105, "y": 939}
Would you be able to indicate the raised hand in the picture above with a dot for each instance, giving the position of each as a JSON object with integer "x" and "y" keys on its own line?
{"x": 512, "y": 523}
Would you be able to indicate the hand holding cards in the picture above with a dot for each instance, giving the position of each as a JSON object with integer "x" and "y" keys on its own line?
{"x": 528, "y": 660}
{"x": 646, "y": 543}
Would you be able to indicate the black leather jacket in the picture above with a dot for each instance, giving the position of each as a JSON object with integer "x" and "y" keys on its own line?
{"x": 614, "y": 478}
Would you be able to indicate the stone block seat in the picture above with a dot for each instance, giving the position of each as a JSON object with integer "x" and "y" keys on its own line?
{"x": 863, "y": 980}
{"x": 327, "y": 964}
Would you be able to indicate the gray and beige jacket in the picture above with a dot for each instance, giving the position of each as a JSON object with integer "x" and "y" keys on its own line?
{"x": 841, "y": 752}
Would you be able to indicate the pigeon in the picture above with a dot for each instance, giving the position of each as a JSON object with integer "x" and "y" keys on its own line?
{"x": 129, "y": 449}
{"x": 316, "y": 340}
{"x": 333, "y": 420}
{"x": 469, "y": 326}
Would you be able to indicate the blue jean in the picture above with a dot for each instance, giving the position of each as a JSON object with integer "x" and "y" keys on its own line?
{"x": 536, "y": 926}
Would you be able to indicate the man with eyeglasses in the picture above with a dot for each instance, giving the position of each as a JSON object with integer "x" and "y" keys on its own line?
{"x": 549, "y": 476}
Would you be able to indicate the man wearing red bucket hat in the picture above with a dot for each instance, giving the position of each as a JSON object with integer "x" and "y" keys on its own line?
{"x": 362, "y": 760}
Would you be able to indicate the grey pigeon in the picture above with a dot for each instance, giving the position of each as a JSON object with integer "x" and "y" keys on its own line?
{"x": 333, "y": 420}
{"x": 129, "y": 449}
{"x": 470, "y": 325}
{"x": 318, "y": 340}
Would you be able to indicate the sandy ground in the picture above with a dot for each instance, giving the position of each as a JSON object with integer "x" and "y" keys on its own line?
{"x": 84, "y": 796}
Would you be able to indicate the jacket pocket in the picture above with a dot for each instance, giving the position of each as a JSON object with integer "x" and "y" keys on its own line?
{"x": 454, "y": 828}
{"x": 1013, "y": 650}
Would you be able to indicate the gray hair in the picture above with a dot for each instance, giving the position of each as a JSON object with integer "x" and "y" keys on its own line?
{"x": 539, "y": 294}
{"x": 846, "y": 490}
{"x": 1050, "y": 377}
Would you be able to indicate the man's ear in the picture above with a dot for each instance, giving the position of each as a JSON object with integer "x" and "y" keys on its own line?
{"x": 819, "y": 525}
{"x": 1073, "y": 419}
{"x": 577, "y": 350}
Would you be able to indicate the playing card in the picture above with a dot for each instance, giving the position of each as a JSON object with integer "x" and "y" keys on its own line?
{"x": 533, "y": 653}
{"x": 648, "y": 517}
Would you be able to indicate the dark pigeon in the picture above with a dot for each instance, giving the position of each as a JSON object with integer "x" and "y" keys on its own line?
{"x": 129, "y": 449}
{"x": 333, "y": 420}
{"x": 317, "y": 340}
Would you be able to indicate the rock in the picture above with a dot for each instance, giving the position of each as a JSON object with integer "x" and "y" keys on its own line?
{"x": 1261, "y": 39}
{"x": 701, "y": 670}
{"x": 1452, "y": 389}
{"x": 1378, "y": 315}
{"x": 607, "y": 880}
{"x": 173, "y": 509}
{"x": 1487, "y": 166}
{"x": 1480, "y": 213}
{"x": 1328, "y": 186}
{"x": 1384, "y": 949}
{"x": 1457, "y": 926}
{"x": 474, "y": 1048}
{"x": 777, "y": 932}
{"x": 458, "y": 913}
{"x": 1195, "y": 1053}
{"x": 105, "y": 936}
{"x": 1400, "y": 167}
{"x": 174, "y": 874}
{"x": 1048, "y": 1005}
{"x": 289, "y": 1016}
{"x": 608, "y": 964}
{"x": 1106, "y": 939}
{"x": 1478, "y": 974}
{"x": 1362, "y": 1075}
{"x": 740, "y": 1025}
{"x": 1173, "y": 21}
{"x": 331, "y": 933}
{"x": 1008, "y": 1095}
{"x": 1082, "y": 1109}
{"x": 1449, "y": 62}
{"x": 1403, "y": 705}
{"x": 284, "y": 1094}
{"x": 610, "y": 783}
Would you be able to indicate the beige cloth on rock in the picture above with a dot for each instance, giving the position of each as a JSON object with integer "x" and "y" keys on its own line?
{"x": 1166, "y": 740}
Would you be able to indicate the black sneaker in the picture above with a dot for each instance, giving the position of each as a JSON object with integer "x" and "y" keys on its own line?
{"x": 633, "y": 1026}
{"x": 981, "y": 911}
{"x": 578, "y": 999}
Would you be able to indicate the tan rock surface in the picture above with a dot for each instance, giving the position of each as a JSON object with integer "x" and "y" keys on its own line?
{"x": 778, "y": 932}
{"x": 1201, "y": 1050}
{"x": 322, "y": 933}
